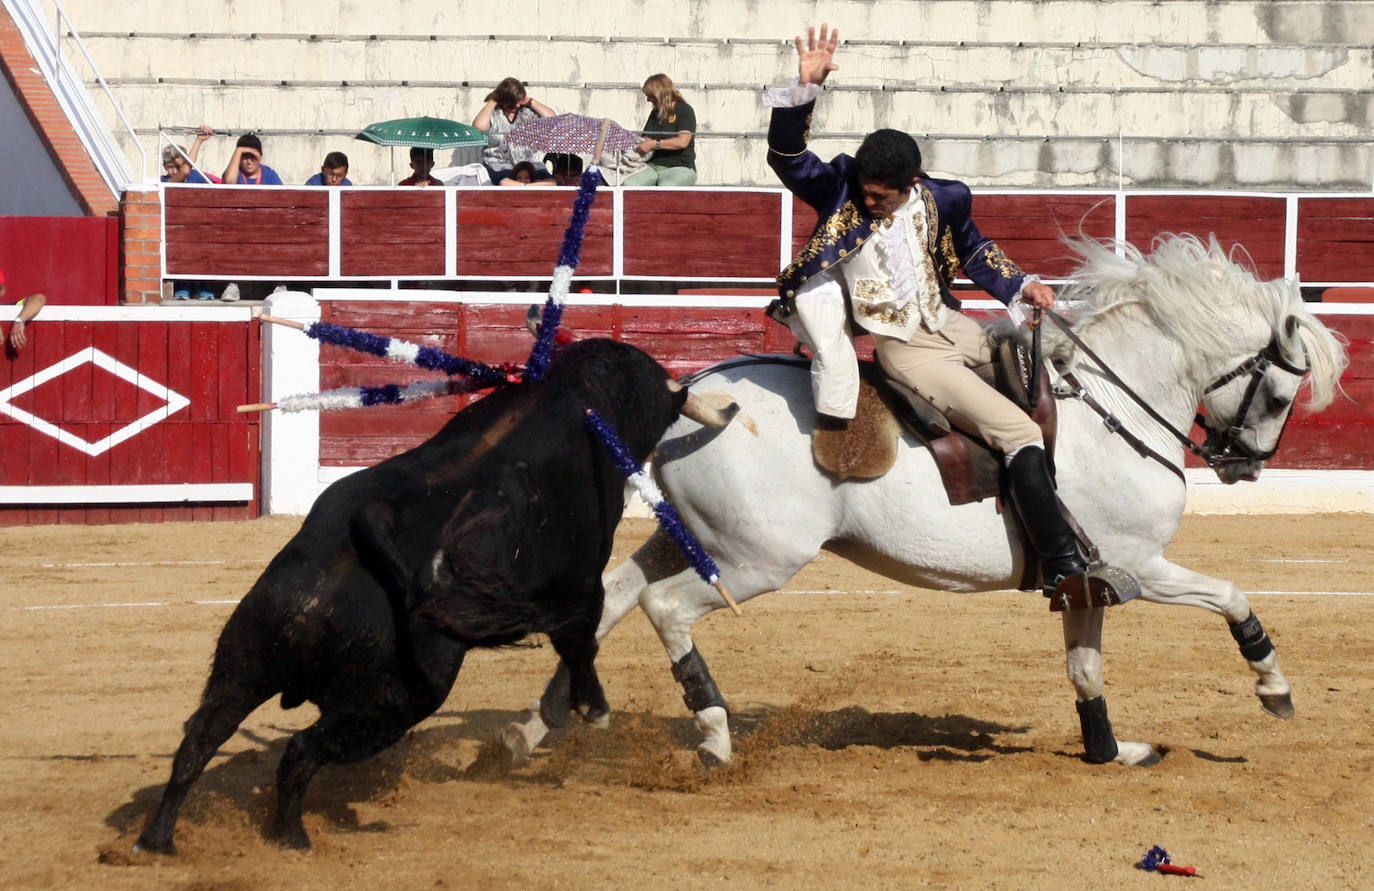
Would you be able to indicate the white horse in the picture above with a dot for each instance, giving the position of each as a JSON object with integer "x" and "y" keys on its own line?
{"x": 1182, "y": 327}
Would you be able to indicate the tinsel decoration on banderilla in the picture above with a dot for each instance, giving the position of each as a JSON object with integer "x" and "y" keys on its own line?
{"x": 568, "y": 257}
{"x": 668, "y": 516}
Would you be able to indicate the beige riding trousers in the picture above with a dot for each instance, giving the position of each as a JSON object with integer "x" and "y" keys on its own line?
{"x": 938, "y": 366}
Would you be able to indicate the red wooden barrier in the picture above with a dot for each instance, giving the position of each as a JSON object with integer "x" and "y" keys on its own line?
{"x": 392, "y": 232}
{"x": 1336, "y": 239}
{"x": 104, "y": 421}
{"x": 518, "y": 232}
{"x": 72, "y": 260}
{"x": 1032, "y": 228}
{"x": 1255, "y": 223}
{"x": 701, "y": 234}
{"x": 247, "y": 231}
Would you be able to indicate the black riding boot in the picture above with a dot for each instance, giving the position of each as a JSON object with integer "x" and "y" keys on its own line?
{"x": 1069, "y": 580}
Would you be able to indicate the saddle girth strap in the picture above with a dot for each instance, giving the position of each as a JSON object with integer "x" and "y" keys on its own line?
{"x": 1113, "y": 423}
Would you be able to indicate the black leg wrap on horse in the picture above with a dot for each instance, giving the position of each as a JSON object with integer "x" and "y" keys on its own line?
{"x": 1254, "y": 643}
{"x": 699, "y": 690}
{"x": 1099, "y": 744}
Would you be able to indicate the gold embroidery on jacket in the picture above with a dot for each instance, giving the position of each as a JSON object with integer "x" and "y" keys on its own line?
{"x": 932, "y": 217}
{"x": 828, "y": 235}
{"x": 997, "y": 259}
{"x": 873, "y": 300}
{"x": 948, "y": 257}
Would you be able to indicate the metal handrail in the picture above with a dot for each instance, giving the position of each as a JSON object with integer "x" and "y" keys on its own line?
{"x": 73, "y": 95}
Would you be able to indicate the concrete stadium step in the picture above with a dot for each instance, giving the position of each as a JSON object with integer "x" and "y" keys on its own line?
{"x": 1218, "y": 113}
{"x": 557, "y": 59}
{"x": 1259, "y": 22}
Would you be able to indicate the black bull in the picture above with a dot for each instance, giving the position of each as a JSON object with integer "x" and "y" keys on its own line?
{"x": 497, "y": 527}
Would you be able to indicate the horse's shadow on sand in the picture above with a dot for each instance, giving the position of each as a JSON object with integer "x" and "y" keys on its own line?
{"x": 244, "y": 783}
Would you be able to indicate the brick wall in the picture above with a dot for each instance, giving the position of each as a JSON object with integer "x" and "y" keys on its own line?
{"x": 140, "y": 247}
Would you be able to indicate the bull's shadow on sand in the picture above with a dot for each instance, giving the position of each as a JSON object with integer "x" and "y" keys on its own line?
{"x": 244, "y": 783}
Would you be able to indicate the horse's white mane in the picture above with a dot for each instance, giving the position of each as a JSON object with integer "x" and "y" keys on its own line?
{"x": 1202, "y": 299}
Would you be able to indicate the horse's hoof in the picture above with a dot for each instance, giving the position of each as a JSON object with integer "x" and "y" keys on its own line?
{"x": 1280, "y": 705}
{"x": 709, "y": 760}
{"x": 515, "y": 743}
{"x": 1137, "y": 754}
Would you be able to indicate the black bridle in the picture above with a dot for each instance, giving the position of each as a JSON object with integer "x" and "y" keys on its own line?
{"x": 1222, "y": 445}
{"x": 1225, "y": 446}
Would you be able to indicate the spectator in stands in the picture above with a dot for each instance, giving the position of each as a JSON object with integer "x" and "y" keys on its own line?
{"x": 19, "y": 329}
{"x": 333, "y": 172}
{"x": 670, "y": 133}
{"x": 182, "y": 166}
{"x": 522, "y": 174}
{"x": 246, "y": 167}
{"x": 567, "y": 169}
{"x": 506, "y": 106}
{"x": 422, "y": 162}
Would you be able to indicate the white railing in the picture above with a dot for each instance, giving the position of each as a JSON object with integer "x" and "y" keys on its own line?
{"x": 43, "y": 36}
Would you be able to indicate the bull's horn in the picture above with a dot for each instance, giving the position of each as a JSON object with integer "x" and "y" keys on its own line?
{"x": 708, "y": 415}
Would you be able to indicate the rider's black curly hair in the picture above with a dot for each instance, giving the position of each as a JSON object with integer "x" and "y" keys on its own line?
{"x": 889, "y": 156}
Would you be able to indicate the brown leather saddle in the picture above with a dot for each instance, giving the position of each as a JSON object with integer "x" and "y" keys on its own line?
{"x": 970, "y": 469}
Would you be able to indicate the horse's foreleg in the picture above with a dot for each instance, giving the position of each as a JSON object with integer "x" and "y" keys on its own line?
{"x": 1165, "y": 582}
{"x": 1083, "y": 661}
{"x": 673, "y": 607}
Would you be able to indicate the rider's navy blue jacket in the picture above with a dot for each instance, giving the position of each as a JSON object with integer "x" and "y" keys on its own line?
{"x": 833, "y": 190}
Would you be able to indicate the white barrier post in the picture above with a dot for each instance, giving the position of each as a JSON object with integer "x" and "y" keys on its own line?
{"x": 290, "y": 442}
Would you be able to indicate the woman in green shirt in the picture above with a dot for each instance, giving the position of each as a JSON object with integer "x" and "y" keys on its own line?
{"x": 669, "y": 134}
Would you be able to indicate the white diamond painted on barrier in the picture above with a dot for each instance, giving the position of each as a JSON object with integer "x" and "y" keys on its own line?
{"x": 175, "y": 401}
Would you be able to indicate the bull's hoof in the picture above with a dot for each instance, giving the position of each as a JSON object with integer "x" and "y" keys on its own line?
{"x": 556, "y": 703}
{"x": 599, "y": 718}
{"x": 293, "y": 837}
{"x": 148, "y": 845}
{"x": 554, "y": 715}
{"x": 1280, "y": 705}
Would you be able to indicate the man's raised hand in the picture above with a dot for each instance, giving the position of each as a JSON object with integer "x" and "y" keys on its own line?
{"x": 817, "y": 57}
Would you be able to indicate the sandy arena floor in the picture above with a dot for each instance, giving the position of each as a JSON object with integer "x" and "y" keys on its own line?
{"x": 890, "y": 738}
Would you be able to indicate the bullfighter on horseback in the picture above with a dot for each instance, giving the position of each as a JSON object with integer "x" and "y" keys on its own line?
{"x": 886, "y": 247}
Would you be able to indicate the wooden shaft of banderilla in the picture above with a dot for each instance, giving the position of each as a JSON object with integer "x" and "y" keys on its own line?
{"x": 278, "y": 320}
{"x": 257, "y": 406}
{"x": 729, "y": 601}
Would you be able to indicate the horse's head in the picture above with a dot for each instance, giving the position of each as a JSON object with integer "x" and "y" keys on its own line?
{"x": 1245, "y": 409}
{"x": 1246, "y": 347}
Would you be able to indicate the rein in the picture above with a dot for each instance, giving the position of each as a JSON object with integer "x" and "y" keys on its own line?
{"x": 1256, "y": 366}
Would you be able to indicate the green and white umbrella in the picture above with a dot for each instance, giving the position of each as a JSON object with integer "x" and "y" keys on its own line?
{"x": 423, "y": 132}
